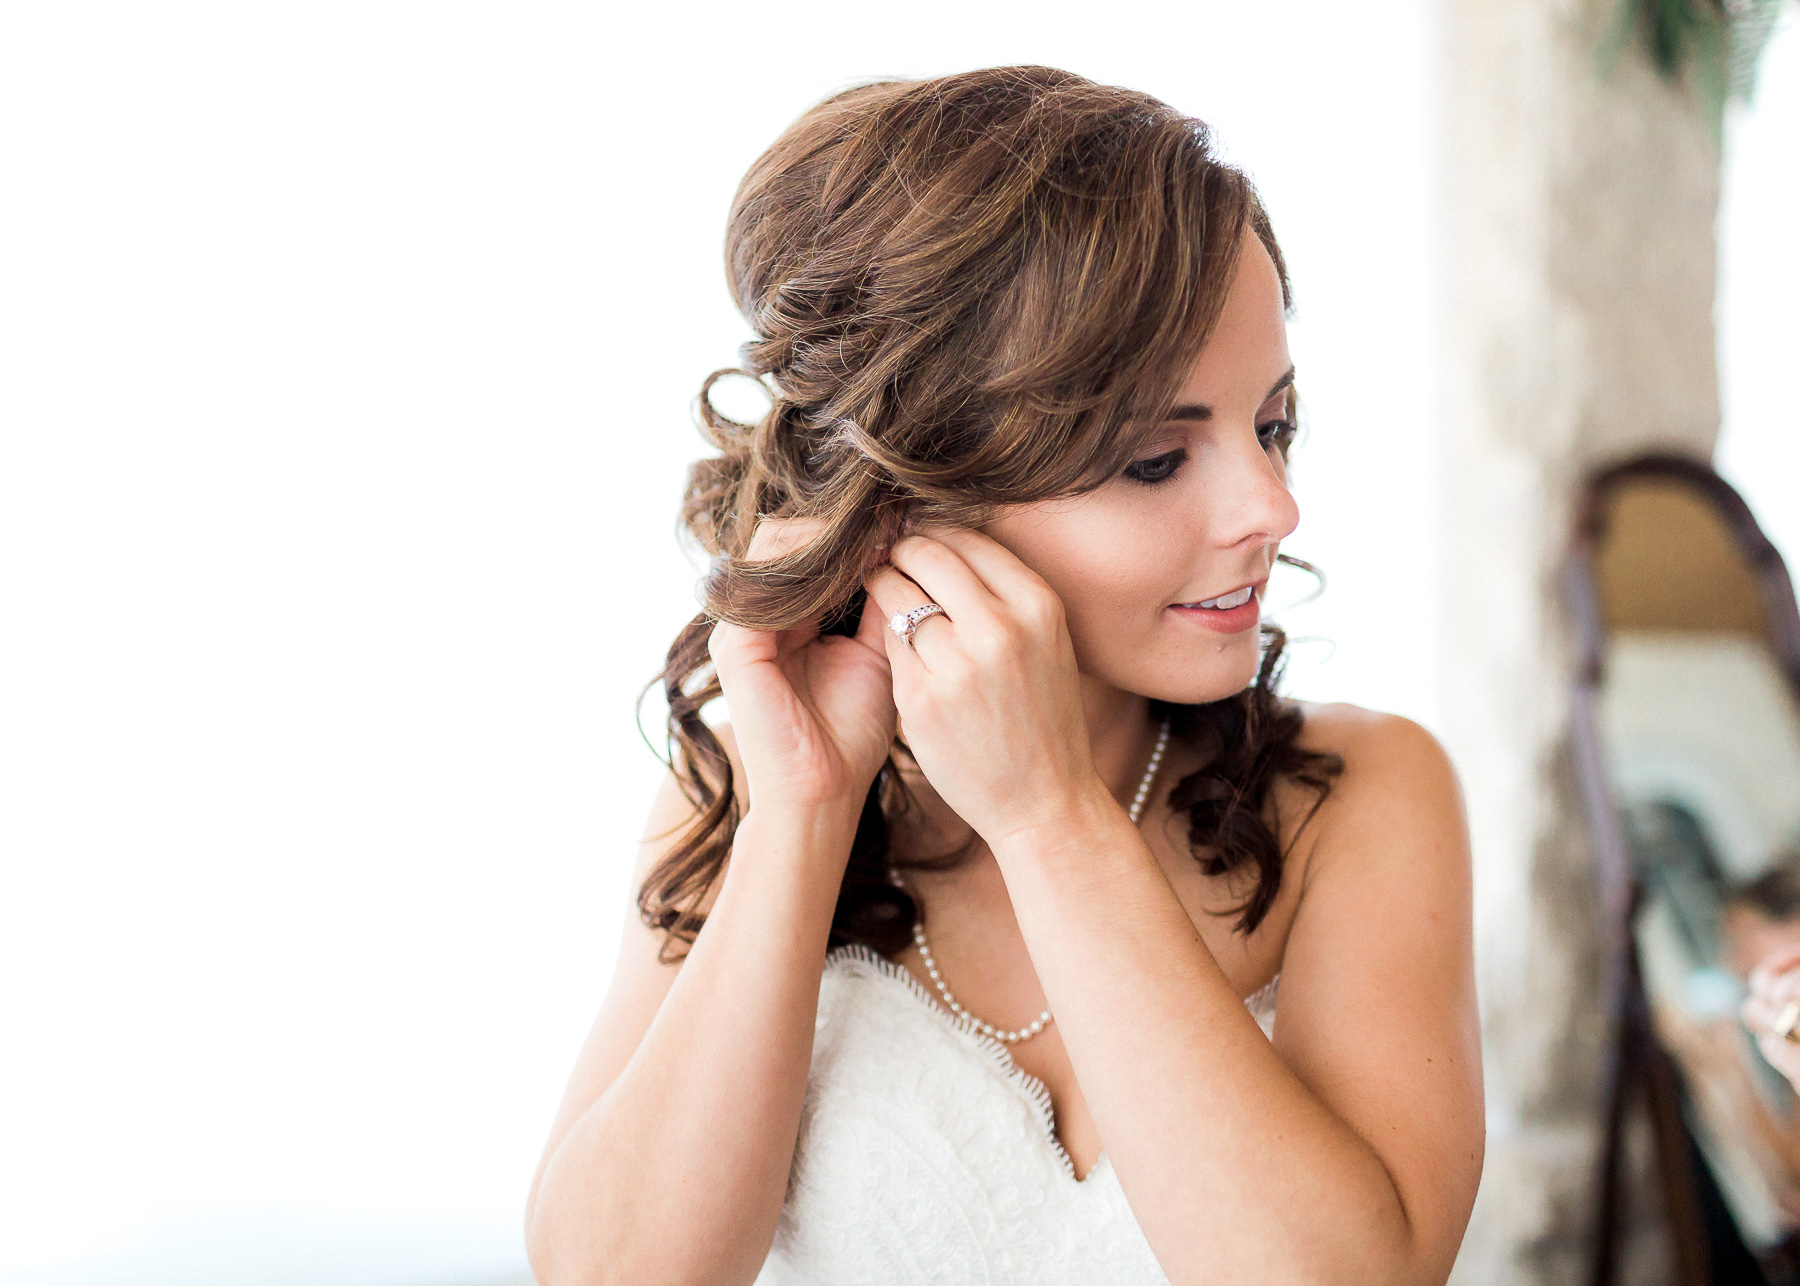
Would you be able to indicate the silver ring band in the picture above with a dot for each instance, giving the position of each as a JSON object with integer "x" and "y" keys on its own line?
{"x": 906, "y": 623}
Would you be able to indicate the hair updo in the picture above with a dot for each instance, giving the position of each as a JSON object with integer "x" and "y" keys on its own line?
{"x": 975, "y": 291}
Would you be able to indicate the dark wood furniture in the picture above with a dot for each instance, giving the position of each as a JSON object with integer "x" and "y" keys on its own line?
{"x": 1641, "y": 560}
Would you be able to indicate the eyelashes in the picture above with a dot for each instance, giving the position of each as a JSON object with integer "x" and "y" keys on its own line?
{"x": 1272, "y": 434}
{"x": 1158, "y": 468}
{"x": 1279, "y": 434}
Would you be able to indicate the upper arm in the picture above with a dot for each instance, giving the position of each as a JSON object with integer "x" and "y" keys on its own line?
{"x": 1377, "y": 1011}
{"x": 640, "y": 979}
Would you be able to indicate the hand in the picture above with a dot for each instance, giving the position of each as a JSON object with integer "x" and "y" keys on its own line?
{"x": 989, "y": 695}
{"x": 813, "y": 714}
{"x": 1773, "y": 984}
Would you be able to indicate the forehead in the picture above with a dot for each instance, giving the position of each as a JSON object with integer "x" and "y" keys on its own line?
{"x": 1248, "y": 349}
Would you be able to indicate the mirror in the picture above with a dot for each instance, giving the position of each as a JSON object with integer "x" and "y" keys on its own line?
{"x": 1690, "y": 697}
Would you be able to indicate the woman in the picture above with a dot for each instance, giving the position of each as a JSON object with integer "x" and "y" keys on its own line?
{"x": 1017, "y": 851}
{"x": 1763, "y": 936}
{"x": 1772, "y": 1011}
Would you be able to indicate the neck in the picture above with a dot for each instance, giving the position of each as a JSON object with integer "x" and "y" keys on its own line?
{"x": 1119, "y": 733}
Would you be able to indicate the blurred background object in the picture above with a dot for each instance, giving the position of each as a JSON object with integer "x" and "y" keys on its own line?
{"x": 1686, "y": 726}
{"x": 346, "y": 354}
{"x": 1584, "y": 198}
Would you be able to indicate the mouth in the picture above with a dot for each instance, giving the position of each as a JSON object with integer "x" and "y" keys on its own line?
{"x": 1225, "y": 602}
{"x": 1234, "y": 610}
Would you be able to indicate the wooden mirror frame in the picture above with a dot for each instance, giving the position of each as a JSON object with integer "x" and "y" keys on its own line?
{"x": 1634, "y": 1059}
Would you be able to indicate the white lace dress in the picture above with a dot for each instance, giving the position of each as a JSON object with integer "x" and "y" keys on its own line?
{"x": 926, "y": 1155}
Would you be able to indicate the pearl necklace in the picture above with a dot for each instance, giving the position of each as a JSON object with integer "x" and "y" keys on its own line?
{"x": 1037, "y": 1024}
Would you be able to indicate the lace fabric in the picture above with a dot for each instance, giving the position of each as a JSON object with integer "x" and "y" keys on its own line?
{"x": 926, "y": 1155}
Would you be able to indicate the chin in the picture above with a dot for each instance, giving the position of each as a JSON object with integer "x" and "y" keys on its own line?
{"x": 1173, "y": 669}
{"x": 1197, "y": 687}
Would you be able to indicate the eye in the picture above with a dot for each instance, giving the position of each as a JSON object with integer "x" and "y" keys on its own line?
{"x": 1158, "y": 468}
{"x": 1278, "y": 434}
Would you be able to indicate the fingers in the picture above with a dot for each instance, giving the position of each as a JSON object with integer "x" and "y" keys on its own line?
{"x": 987, "y": 594}
{"x": 1771, "y": 992}
{"x": 940, "y": 571}
{"x": 891, "y": 593}
{"x": 1772, "y": 1012}
{"x": 977, "y": 579}
{"x": 1774, "y": 967}
{"x": 1781, "y": 1054}
{"x": 732, "y": 647}
{"x": 1758, "y": 1014}
{"x": 778, "y": 537}
{"x": 1004, "y": 573}
{"x": 873, "y": 626}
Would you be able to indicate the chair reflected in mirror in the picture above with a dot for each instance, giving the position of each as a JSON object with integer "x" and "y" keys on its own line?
{"x": 1686, "y": 736}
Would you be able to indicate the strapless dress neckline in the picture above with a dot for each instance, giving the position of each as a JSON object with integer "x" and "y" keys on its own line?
{"x": 1260, "y": 1003}
{"x": 926, "y": 1154}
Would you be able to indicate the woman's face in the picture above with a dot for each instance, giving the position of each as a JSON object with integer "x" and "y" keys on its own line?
{"x": 1197, "y": 517}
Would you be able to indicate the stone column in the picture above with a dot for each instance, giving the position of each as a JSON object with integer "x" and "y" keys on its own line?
{"x": 1579, "y": 328}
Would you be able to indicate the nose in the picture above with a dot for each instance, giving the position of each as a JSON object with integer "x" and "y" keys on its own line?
{"x": 1252, "y": 499}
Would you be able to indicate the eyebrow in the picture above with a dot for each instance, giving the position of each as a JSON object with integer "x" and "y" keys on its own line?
{"x": 1201, "y": 411}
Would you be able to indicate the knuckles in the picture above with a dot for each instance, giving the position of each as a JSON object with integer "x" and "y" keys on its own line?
{"x": 725, "y": 644}
{"x": 1041, "y": 608}
{"x": 993, "y": 646}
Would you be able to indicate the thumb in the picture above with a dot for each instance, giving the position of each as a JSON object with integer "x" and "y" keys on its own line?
{"x": 872, "y": 630}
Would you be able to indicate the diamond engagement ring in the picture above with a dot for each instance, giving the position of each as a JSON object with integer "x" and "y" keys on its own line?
{"x": 905, "y": 623}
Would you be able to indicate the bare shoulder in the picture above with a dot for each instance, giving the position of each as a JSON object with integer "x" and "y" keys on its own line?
{"x": 1391, "y": 765}
{"x": 1371, "y": 741}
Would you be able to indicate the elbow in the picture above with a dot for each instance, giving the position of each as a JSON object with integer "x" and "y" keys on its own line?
{"x": 561, "y": 1256}
{"x": 550, "y": 1267}
{"x": 601, "y": 1252}
{"x": 1425, "y": 1242}
{"x": 569, "y": 1241}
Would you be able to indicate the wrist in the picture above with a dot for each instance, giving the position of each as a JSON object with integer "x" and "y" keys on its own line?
{"x": 823, "y": 828}
{"x": 786, "y": 870}
{"x": 1077, "y": 819}
{"x": 790, "y": 799}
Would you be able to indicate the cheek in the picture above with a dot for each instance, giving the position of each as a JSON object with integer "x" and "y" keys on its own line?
{"x": 1112, "y": 572}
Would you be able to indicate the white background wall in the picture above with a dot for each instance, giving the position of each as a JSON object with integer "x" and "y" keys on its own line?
{"x": 1759, "y": 296}
{"x": 345, "y": 361}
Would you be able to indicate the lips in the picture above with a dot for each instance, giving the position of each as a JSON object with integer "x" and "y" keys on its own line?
{"x": 1232, "y": 612}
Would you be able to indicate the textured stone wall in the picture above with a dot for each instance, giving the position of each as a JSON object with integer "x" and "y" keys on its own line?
{"x": 1579, "y": 327}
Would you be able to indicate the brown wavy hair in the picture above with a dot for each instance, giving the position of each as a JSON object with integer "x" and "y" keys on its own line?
{"x": 975, "y": 291}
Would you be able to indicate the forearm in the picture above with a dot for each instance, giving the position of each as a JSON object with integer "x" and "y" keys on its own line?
{"x": 677, "y": 1172}
{"x": 1236, "y": 1171}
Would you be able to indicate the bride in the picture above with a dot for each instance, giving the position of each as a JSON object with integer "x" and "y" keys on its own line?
{"x": 1043, "y": 942}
